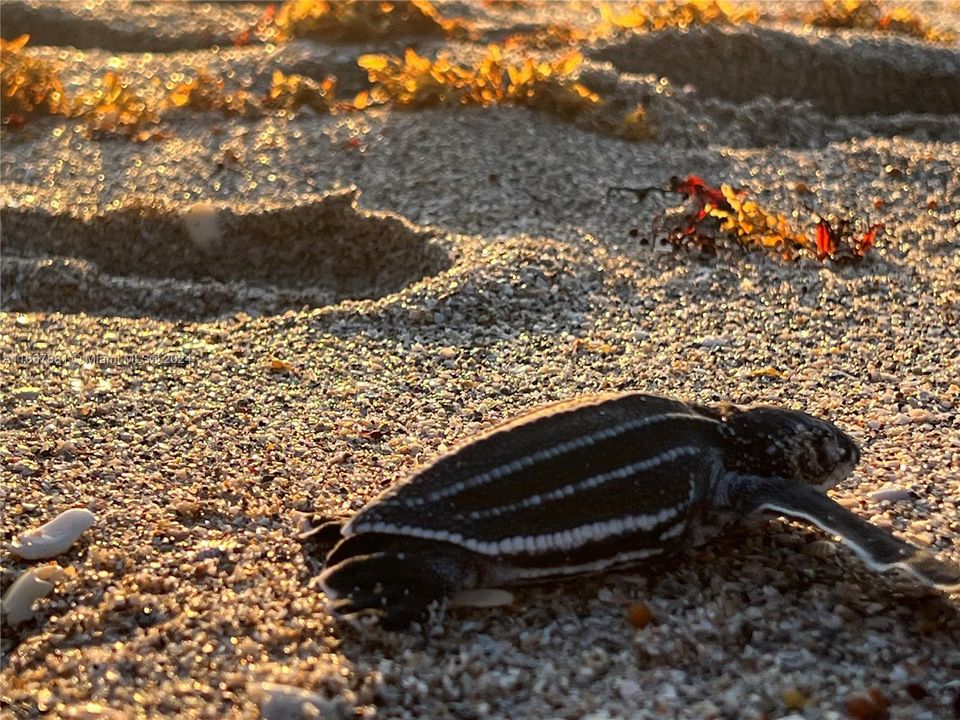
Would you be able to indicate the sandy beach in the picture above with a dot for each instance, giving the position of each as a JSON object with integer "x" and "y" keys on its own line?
{"x": 382, "y": 284}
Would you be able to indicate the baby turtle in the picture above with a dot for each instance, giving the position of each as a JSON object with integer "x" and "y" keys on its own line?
{"x": 590, "y": 485}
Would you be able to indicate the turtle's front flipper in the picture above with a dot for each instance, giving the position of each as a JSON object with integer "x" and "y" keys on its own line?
{"x": 877, "y": 548}
{"x": 394, "y": 578}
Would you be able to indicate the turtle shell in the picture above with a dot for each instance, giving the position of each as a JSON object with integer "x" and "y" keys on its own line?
{"x": 588, "y": 481}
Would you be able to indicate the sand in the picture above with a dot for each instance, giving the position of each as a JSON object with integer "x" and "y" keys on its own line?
{"x": 384, "y": 285}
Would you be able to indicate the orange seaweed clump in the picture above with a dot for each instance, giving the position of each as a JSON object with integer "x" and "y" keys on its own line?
{"x": 291, "y": 92}
{"x": 547, "y": 37}
{"x": 711, "y": 215}
{"x": 357, "y": 20}
{"x": 287, "y": 93}
{"x": 728, "y": 213}
{"x": 653, "y": 15}
{"x": 415, "y": 81}
{"x": 906, "y": 22}
{"x": 870, "y": 15}
{"x": 208, "y": 92}
{"x": 32, "y": 86}
{"x": 752, "y": 225}
{"x": 29, "y": 85}
{"x": 113, "y": 107}
{"x": 649, "y": 16}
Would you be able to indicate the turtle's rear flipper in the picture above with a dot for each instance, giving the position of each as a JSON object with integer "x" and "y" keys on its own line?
{"x": 876, "y": 547}
{"x": 393, "y": 578}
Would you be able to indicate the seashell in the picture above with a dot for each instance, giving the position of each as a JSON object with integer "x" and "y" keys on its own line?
{"x": 93, "y": 711}
{"x": 714, "y": 342}
{"x": 56, "y": 537}
{"x": 482, "y": 598}
{"x": 872, "y": 705}
{"x": 28, "y": 392}
{"x": 892, "y": 493}
{"x": 27, "y": 589}
{"x": 822, "y": 549}
{"x": 285, "y": 702}
{"x": 794, "y": 699}
{"x": 202, "y": 222}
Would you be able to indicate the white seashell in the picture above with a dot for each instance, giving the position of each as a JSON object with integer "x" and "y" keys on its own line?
{"x": 28, "y": 392}
{"x": 55, "y": 537}
{"x": 714, "y": 342}
{"x": 202, "y": 222}
{"x": 27, "y": 589}
{"x": 891, "y": 493}
{"x": 285, "y": 702}
{"x": 482, "y": 598}
{"x": 93, "y": 711}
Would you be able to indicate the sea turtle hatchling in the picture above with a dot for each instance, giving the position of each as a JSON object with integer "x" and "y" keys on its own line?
{"x": 595, "y": 484}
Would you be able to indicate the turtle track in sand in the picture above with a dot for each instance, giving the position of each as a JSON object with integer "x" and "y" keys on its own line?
{"x": 265, "y": 260}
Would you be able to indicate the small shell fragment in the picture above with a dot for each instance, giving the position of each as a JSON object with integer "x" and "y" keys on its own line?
{"x": 822, "y": 549}
{"x": 714, "y": 342}
{"x": 54, "y": 538}
{"x": 202, "y": 223}
{"x": 893, "y": 493}
{"x": 27, "y": 589}
{"x": 640, "y": 615}
{"x": 187, "y": 507}
{"x": 28, "y": 392}
{"x": 93, "y": 711}
{"x": 285, "y": 702}
{"x": 794, "y": 699}
{"x": 482, "y": 598}
{"x": 872, "y": 705}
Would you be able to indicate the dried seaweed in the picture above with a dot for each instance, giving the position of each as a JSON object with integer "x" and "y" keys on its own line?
{"x": 357, "y": 20}
{"x": 649, "y": 16}
{"x": 415, "y": 81}
{"x": 710, "y": 216}
{"x": 207, "y": 92}
{"x": 842, "y": 239}
{"x": 871, "y": 15}
{"x": 29, "y": 85}
{"x": 654, "y": 16}
{"x": 289, "y": 93}
{"x": 114, "y": 107}
{"x": 497, "y": 78}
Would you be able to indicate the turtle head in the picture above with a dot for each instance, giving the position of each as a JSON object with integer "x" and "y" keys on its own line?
{"x": 770, "y": 442}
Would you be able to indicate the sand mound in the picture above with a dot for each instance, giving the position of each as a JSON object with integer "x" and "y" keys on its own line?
{"x": 126, "y": 26}
{"x": 839, "y": 76}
